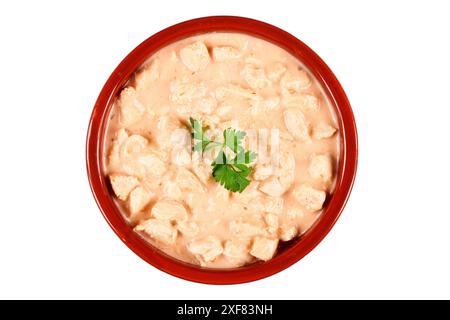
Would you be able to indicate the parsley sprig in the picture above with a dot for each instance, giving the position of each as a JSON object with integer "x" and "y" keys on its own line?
{"x": 230, "y": 171}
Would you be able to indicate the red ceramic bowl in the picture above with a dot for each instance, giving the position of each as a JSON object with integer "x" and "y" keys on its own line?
{"x": 290, "y": 252}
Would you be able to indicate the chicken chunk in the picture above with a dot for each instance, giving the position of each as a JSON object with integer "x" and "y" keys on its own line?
{"x": 275, "y": 71}
{"x": 310, "y": 198}
{"x": 206, "y": 105}
{"x": 288, "y": 232}
{"x": 295, "y": 213}
{"x": 304, "y": 101}
{"x": 147, "y": 76}
{"x": 139, "y": 199}
{"x": 166, "y": 126}
{"x": 321, "y": 167}
{"x": 262, "y": 171}
{"x": 168, "y": 209}
{"x": 247, "y": 229}
{"x": 152, "y": 164}
{"x": 233, "y": 91}
{"x": 272, "y": 187}
{"x": 283, "y": 179}
{"x": 225, "y": 53}
{"x": 295, "y": 82}
{"x": 273, "y": 205}
{"x": 160, "y": 230}
{"x": 172, "y": 190}
{"x": 323, "y": 131}
{"x": 188, "y": 182}
{"x": 195, "y": 56}
{"x": 296, "y": 124}
{"x": 255, "y": 77}
{"x": 188, "y": 228}
{"x": 272, "y": 223}
{"x": 184, "y": 91}
{"x": 206, "y": 249}
{"x": 122, "y": 185}
{"x": 131, "y": 109}
{"x": 181, "y": 157}
{"x": 132, "y": 146}
{"x": 264, "y": 248}
{"x": 237, "y": 251}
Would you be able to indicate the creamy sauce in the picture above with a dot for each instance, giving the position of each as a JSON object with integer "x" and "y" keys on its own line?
{"x": 167, "y": 192}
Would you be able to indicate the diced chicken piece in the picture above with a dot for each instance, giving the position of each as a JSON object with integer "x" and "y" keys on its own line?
{"x": 160, "y": 230}
{"x": 168, "y": 209}
{"x": 295, "y": 213}
{"x": 132, "y": 146}
{"x": 200, "y": 168}
{"x": 264, "y": 248}
{"x": 180, "y": 138}
{"x": 255, "y": 77}
{"x": 206, "y": 249}
{"x": 273, "y": 205}
{"x": 277, "y": 185}
{"x": 225, "y": 53}
{"x": 172, "y": 190}
{"x": 262, "y": 106}
{"x": 310, "y": 198}
{"x": 271, "y": 103}
{"x": 321, "y": 167}
{"x": 286, "y": 170}
{"x": 195, "y": 56}
{"x": 245, "y": 229}
{"x": 253, "y": 60}
{"x": 288, "y": 232}
{"x": 249, "y": 194}
{"x": 237, "y": 251}
{"x": 224, "y": 110}
{"x": 195, "y": 201}
{"x": 275, "y": 71}
{"x": 262, "y": 171}
{"x": 184, "y": 91}
{"x": 222, "y": 194}
{"x": 188, "y": 228}
{"x": 188, "y": 182}
{"x": 304, "y": 101}
{"x": 234, "y": 91}
{"x": 131, "y": 109}
{"x": 152, "y": 164}
{"x": 147, "y": 76}
{"x": 166, "y": 126}
{"x": 323, "y": 131}
{"x": 272, "y": 187}
{"x": 114, "y": 156}
{"x": 291, "y": 83}
{"x": 206, "y": 105}
{"x": 296, "y": 124}
{"x": 122, "y": 185}
{"x": 272, "y": 223}
{"x": 139, "y": 199}
{"x": 181, "y": 157}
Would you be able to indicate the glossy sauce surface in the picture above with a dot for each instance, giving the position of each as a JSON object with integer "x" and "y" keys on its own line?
{"x": 225, "y": 80}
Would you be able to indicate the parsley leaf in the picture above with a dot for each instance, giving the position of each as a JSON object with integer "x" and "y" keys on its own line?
{"x": 230, "y": 171}
{"x": 231, "y": 176}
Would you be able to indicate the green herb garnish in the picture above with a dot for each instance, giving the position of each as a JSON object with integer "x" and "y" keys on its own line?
{"x": 230, "y": 171}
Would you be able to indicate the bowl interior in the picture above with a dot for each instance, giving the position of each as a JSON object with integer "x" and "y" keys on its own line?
{"x": 289, "y": 252}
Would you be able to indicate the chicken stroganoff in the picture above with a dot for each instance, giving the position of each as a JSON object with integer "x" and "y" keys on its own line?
{"x": 220, "y": 147}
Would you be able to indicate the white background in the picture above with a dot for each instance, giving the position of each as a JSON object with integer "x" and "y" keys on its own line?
{"x": 393, "y": 60}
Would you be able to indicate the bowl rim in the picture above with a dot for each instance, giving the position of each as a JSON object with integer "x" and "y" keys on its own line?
{"x": 347, "y": 162}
